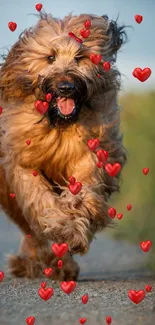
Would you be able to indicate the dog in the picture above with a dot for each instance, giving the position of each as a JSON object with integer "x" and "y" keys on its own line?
{"x": 45, "y": 142}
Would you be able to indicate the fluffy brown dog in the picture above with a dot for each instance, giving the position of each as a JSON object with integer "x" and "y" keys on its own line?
{"x": 46, "y": 59}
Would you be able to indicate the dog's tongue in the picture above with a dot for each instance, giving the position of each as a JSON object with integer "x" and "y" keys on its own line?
{"x": 65, "y": 105}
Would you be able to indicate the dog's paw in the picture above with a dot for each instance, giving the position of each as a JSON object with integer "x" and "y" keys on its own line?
{"x": 21, "y": 266}
{"x": 69, "y": 271}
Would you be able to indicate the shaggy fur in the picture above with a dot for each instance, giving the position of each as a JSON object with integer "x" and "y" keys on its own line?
{"x": 44, "y": 207}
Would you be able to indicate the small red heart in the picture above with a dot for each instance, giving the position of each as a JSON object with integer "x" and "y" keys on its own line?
{"x": 12, "y": 26}
{"x": 35, "y": 173}
{"x": 95, "y": 58}
{"x": 68, "y": 287}
{"x": 136, "y": 296}
{"x": 142, "y": 74}
{"x": 45, "y": 293}
{"x": 148, "y": 288}
{"x": 41, "y": 107}
{"x": 98, "y": 75}
{"x": 82, "y": 320}
{"x": 1, "y": 110}
{"x": 43, "y": 285}
{"x": 102, "y": 155}
{"x": 30, "y": 320}
{"x": 28, "y": 236}
{"x": 99, "y": 164}
{"x": 12, "y": 195}
{"x": 108, "y": 320}
{"x": 72, "y": 180}
{"x": 1, "y": 276}
{"x": 48, "y": 97}
{"x": 119, "y": 216}
{"x": 28, "y": 142}
{"x": 146, "y": 245}
{"x": 85, "y": 299}
{"x": 93, "y": 144}
{"x": 106, "y": 66}
{"x": 59, "y": 249}
{"x": 75, "y": 188}
{"x": 145, "y": 171}
{"x": 38, "y": 6}
{"x": 138, "y": 18}
{"x": 113, "y": 170}
{"x": 79, "y": 40}
{"x": 85, "y": 33}
{"x": 48, "y": 272}
{"x": 112, "y": 213}
{"x": 129, "y": 207}
{"x": 87, "y": 24}
{"x": 60, "y": 264}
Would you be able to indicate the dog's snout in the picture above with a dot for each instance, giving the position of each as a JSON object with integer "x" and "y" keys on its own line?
{"x": 66, "y": 86}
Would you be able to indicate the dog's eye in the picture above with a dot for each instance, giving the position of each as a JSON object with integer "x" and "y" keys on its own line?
{"x": 51, "y": 58}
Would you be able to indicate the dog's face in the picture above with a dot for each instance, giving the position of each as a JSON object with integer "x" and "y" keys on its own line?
{"x": 47, "y": 60}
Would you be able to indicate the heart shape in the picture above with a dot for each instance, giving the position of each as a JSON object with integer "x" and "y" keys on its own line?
{"x": 38, "y": 6}
{"x": 119, "y": 216}
{"x": 112, "y": 213}
{"x": 12, "y": 26}
{"x": 129, "y": 207}
{"x": 95, "y": 58}
{"x": 48, "y": 97}
{"x": 30, "y": 320}
{"x": 48, "y": 272}
{"x": 93, "y": 144}
{"x": 75, "y": 188}
{"x": 136, "y": 296}
{"x": 102, "y": 155}
{"x": 60, "y": 264}
{"x": 142, "y": 74}
{"x": 148, "y": 288}
{"x": 113, "y": 170}
{"x": 99, "y": 164}
{"x": 138, "y": 18}
{"x": 85, "y": 33}
{"x": 28, "y": 142}
{"x": 43, "y": 285}
{"x": 41, "y": 107}
{"x": 35, "y": 173}
{"x": 59, "y": 249}
{"x": 82, "y": 320}
{"x": 145, "y": 171}
{"x": 106, "y": 66}
{"x": 87, "y": 24}
{"x": 146, "y": 245}
{"x": 85, "y": 299}
{"x": 72, "y": 180}
{"x": 108, "y": 320}
{"x": 45, "y": 294}
{"x": 1, "y": 110}
{"x": 12, "y": 195}
{"x": 1, "y": 276}
{"x": 68, "y": 287}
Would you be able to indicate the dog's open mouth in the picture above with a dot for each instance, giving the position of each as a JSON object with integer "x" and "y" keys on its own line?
{"x": 66, "y": 107}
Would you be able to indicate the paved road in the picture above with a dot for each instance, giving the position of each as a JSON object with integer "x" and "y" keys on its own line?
{"x": 108, "y": 271}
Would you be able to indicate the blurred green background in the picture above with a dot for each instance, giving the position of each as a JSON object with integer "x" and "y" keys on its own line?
{"x": 138, "y": 126}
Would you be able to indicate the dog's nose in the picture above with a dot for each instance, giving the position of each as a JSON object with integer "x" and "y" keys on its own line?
{"x": 65, "y": 86}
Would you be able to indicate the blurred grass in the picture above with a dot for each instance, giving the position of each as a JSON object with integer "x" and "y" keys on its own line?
{"x": 138, "y": 126}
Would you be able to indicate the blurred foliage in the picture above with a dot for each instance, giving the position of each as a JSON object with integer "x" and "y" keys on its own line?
{"x": 138, "y": 126}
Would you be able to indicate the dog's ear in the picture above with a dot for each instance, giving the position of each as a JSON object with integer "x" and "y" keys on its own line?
{"x": 117, "y": 37}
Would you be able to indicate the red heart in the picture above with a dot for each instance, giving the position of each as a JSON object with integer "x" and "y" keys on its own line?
{"x": 138, "y": 18}
{"x": 145, "y": 171}
{"x": 75, "y": 188}
{"x": 45, "y": 293}
{"x": 102, "y": 155}
{"x": 38, "y": 6}
{"x": 148, "y": 288}
{"x": 28, "y": 236}
{"x": 112, "y": 212}
{"x": 28, "y": 142}
{"x": 12, "y": 195}
{"x": 43, "y": 285}
{"x": 113, "y": 170}
{"x": 136, "y": 296}
{"x": 119, "y": 216}
{"x": 72, "y": 180}
{"x": 35, "y": 173}
{"x": 82, "y": 320}
{"x": 68, "y": 287}
{"x": 12, "y": 26}
{"x": 129, "y": 207}
{"x": 30, "y": 320}
{"x": 98, "y": 75}
{"x": 85, "y": 299}
{"x": 48, "y": 97}
{"x": 85, "y": 33}
{"x": 48, "y": 272}
{"x": 60, "y": 249}
{"x": 99, "y": 164}
{"x": 87, "y": 24}
{"x": 108, "y": 320}
{"x": 95, "y": 58}
{"x": 106, "y": 66}
{"x": 93, "y": 144}
{"x": 146, "y": 245}
{"x": 79, "y": 40}
{"x": 1, "y": 276}
{"x": 41, "y": 107}
{"x": 142, "y": 74}
{"x": 60, "y": 264}
{"x": 1, "y": 110}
